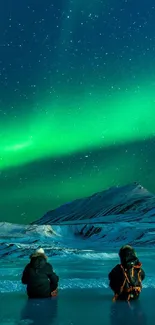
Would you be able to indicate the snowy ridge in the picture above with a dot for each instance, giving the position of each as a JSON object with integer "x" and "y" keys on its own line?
{"x": 132, "y": 201}
{"x": 76, "y": 283}
{"x": 116, "y": 216}
{"x": 107, "y": 219}
{"x": 11, "y": 230}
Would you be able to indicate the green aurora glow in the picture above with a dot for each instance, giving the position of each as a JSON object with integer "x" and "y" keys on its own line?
{"x": 77, "y": 104}
{"x": 98, "y": 122}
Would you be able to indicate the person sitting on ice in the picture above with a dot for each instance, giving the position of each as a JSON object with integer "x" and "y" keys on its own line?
{"x": 38, "y": 275}
{"x": 126, "y": 278}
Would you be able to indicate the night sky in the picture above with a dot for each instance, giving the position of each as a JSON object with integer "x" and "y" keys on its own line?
{"x": 77, "y": 101}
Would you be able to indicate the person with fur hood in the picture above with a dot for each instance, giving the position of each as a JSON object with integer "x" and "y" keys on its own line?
{"x": 38, "y": 275}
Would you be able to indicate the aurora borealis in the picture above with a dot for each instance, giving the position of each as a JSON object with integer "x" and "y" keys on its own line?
{"x": 77, "y": 104}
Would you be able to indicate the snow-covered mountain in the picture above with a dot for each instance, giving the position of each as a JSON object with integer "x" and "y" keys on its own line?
{"x": 133, "y": 201}
{"x": 107, "y": 219}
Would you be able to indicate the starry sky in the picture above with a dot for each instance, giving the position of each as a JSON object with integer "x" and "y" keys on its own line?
{"x": 77, "y": 101}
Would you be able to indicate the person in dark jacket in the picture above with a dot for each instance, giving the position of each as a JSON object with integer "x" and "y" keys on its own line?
{"x": 38, "y": 275}
{"x": 126, "y": 278}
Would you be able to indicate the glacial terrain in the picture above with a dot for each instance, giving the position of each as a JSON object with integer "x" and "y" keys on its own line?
{"x": 105, "y": 220}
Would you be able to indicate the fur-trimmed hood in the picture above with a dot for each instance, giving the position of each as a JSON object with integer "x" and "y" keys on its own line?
{"x": 38, "y": 260}
{"x": 35, "y": 254}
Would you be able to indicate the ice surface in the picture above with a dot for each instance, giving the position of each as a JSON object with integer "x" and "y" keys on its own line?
{"x": 82, "y": 240}
{"x": 84, "y": 296}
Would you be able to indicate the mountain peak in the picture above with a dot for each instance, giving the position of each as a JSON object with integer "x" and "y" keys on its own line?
{"x": 114, "y": 201}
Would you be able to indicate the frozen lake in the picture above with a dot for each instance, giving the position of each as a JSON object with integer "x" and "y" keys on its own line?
{"x": 84, "y": 296}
